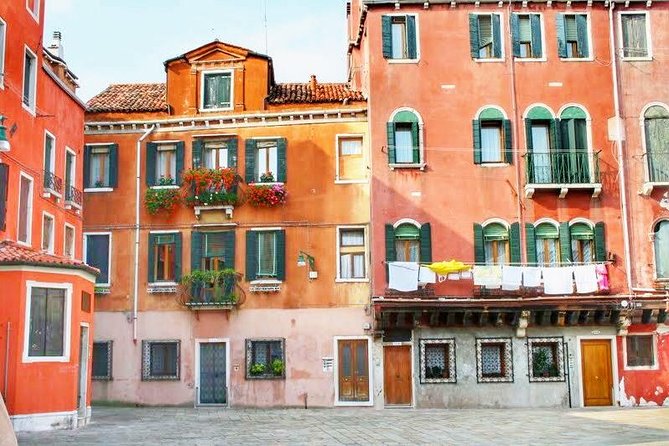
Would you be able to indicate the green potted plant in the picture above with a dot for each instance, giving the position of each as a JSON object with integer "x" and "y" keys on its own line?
{"x": 257, "y": 369}
{"x": 157, "y": 199}
{"x": 540, "y": 363}
{"x": 277, "y": 367}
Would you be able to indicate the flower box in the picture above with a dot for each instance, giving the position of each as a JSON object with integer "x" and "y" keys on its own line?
{"x": 266, "y": 195}
{"x": 211, "y": 187}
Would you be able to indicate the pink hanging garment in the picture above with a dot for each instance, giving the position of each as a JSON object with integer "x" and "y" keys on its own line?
{"x": 602, "y": 277}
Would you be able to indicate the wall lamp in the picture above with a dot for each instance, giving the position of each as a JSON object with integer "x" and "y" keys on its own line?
{"x": 303, "y": 258}
{"x": 4, "y": 142}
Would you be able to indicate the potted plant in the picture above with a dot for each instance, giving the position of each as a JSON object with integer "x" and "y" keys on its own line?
{"x": 541, "y": 363}
{"x": 265, "y": 195}
{"x": 210, "y": 187}
{"x": 257, "y": 369}
{"x": 277, "y": 367}
{"x": 156, "y": 199}
{"x": 267, "y": 177}
{"x": 211, "y": 286}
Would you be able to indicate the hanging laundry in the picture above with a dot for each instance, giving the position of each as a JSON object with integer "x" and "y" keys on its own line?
{"x": 426, "y": 275}
{"x": 602, "y": 277}
{"x": 442, "y": 278}
{"x": 444, "y": 268}
{"x": 403, "y": 276}
{"x": 489, "y": 276}
{"x": 512, "y": 277}
{"x": 465, "y": 274}
{"x": 453, "y": 276}
{"x": 531, "y": 276}
{"x": 558, "y": 280}
{"x": 585, "y": 277}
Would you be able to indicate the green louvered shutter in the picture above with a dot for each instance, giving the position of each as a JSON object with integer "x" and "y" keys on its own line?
{"x": 229, "y": 253}
{"x": 250, "y": 161}
{"x": 561, "y": 36}
{"x": 514, "y": 242}
{"x": 474, "y": 43}
{"x": 515, "y": 34}
{"x": 555, "y": 137}
{"x": 412, "y": 37}
{"x": 390, "y": 132}
{"x": 195, "y": 251}
{"x": 425, "y": 243}
{"x": 251, "y": 255}
{"x": 282, "y": 160}
{"x": 415, "y": 142}
{"x": 151, "y": 151}
{"x": 530, "y": 244}
{"x": 496, "y": 37}
{"x": 87, "y": 166}
{"x": 508, "y": 142}
{"x": 387, "y": 36}
{"x": 196, "y": 153}
{"x": 4, "y": 187}
{"x": 535, "y": 25}
{"x": 476, "y": 138}
{"x": 391, "y": 254}
{"x": 281, "y": 255}
{"x": 232, "y": 152}
{"x": 178, "y": 256}
{"x": 113, "y": 165}
{"x": 565, "y": 243}
{"x": 582, "y": 35}
{"x": 151, "y": 258}
{"x": 600, "y": 242}
{"x": 180, "y": 161}
{"x": 479, "y": 245}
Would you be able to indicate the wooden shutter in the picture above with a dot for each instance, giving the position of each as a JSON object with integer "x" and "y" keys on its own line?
{"x": 474, "y": 44}
{"x": 515, "y": 34}
{"x": 600, "y": 242}
{"x": 530, "y": 244}
{"x": 582, "y": 35}
{"x": 113, "y": 165}
{"x": 565, "y": 243}
{"x": 195, "y": 251}
{"x": 151, "y": 257}
{"x": 178, "y": 250}
{"x": 281, "y": 255}
{"x": 479, "y": 246}
{"x": 87, "y": 166}
{"x": 415, "y": 142}
{"x": 151, "y": 151}
{"x": 250, "y": 161}
{"x": 4, "y": 186}
{"x": 555, "y": 138}
{"x": 496, "y": 37}
{"x": 282, "y": 160}
{"x": 229, "y": 254}
{"x": 232, "y": 152}
{"x": 387, "y": 36}
{"x": 535, "y": 25}
{"x": 180, "y": 161}
{"x": 425, "y": 243}
{"x": 514, "y": 242}
{"x": 196, "y": 153}
{"x": 412, "y": 43}
{"x": 251, "y": 255}
{"x": 390, "y": 132}
{"x": 476, "y": 137}
{"x": 508, "y": 142}
{"x": 561, "y": 36}
{"x": 391, "y": 255}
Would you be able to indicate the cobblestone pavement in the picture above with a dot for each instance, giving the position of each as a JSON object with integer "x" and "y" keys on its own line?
{"x": 170, "y": 426}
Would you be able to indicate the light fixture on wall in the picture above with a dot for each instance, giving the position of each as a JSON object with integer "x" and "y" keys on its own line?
{"x": 303, "y": 258}
{"x": 4, "y": 142}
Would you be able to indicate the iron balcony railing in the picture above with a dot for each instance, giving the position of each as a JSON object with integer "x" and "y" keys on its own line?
{"x": 658, "y": 166}
{"x": 562, "y": 167}
{"x": 74, "y": 195}
{"x": 53, "y": 182}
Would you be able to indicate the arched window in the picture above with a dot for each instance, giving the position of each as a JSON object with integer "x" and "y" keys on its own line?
{"x": 572, "y": 163}
{"x": 496, "y": 244}
{"x": 403, "y": 133}
{"x": 541, "y": 137}
{"x": 656, "y": 129}
{"x": 408, "y": 241}
{"x": 547, "y": 244}
{"x": 492, "y": 137}
{"x": 582, "y": 243}
{"x": 661, "y": 243}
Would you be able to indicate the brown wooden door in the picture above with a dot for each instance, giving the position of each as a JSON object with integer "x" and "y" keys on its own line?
{"x": 397, "y": 374}
{"x": 597, "y": 372}
{"x": 353, "y": 370}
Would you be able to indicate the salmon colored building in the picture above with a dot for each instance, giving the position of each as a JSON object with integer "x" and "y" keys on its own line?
{"x": 229, "y": 217}
{"x": 46, "y": 311}
{"x": 495, "y": 149}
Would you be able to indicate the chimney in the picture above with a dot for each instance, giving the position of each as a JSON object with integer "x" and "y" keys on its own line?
{"x": 56, "y": 47}
{"x": 313, "y": 83}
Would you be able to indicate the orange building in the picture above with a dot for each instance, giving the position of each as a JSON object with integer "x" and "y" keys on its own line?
{"x": 46, "y": 312}
{"x": 228, "y": 215}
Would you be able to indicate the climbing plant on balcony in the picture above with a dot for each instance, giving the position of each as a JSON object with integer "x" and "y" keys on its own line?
{"x": 162, "y": 199}
{"x": 210, "y": 287}
{"x": 260, "y": 195}
{"x": 208, "y": 187}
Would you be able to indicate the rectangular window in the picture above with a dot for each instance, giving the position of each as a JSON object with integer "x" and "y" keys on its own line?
{"x": 29, "y": 79}
{"x": 267, "y": 161}
{"x": 164, "y": 253}
{"x": 4, "y": 192}
{"x": 99, "y": 165}
{"x": 491, "y": 142}
{"x": 25, "y": 210}
{"x": 97, "y": 253}
{"x": 267, "y": 258}
{"x": 640, "y": 351}
{"x": 437, "y": 361}
{"x": 265, "y": 359}
{"x": 350, "y": 158}
{"x": 573, "y": 36}
{"x": 102, "y": 361}
{"x": 217, "y": 90}
{"x": 214, "y": 251}
{"x": 49, "y": 154}
{"x": 400, "y": 38}
{"x": 160, "y": 360}
{"x": 216, "y": 155}
{"x": 526, "y": 33}
{"x": 47, "y": 322}
{"x": 3, "y": 46}
{"x": 404, "y": 147}
{"x": 399, "y": 31}
{"x": 166, "y": 164}
{"x": 47, "y": 233}
{"x": 546, "y": 359}
{"x": 33, "y": 7}
{"x": 494, "y": 360}
{"x": 635, "y": 35}
{"x": 70, "y": 170}
{"x": 352, "y": 253}
{"x": 485, "y": 36}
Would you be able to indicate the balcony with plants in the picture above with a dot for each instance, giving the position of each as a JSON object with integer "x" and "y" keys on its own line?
{"x": 211, "y": 290}
{"x": 562, "y": 170}
{"x": 211, "y": 190}
{"x": 162, "y": 198}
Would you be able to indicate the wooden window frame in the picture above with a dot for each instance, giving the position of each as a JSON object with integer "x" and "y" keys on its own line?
{"x": 654, "y": 352}
{"x": 203, "y": 74}
{"x": 499, "y": 125}
{"x": 67, "y": 322}
{"x": 341, "y": 250}
{"x": 172, "y": 149}
{"x": 344, "y": 137}
{"x": 168, "y": 267}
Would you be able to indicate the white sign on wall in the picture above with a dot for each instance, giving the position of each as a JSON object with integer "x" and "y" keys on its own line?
{"x": 328, "y": 364}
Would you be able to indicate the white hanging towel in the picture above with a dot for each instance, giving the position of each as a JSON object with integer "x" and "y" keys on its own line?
{"x": 426, "y": 275}
{"x": 403, "y": 276}
{"x": 466, "y": 274}
{"x": 585, "y": 277}
{"x": 558, "y": 280}
{"x": 531, "y": 276}
{"x": 453, "y": 276}
{"x": 488, "y": 276}
{"x": 512, "y": 277}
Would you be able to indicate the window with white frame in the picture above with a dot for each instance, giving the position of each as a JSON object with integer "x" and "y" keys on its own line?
{"x": 217, "y": 90}
{"x": 70, "y": 171}
{"x": 97, "y": 253}
{"x": 216, "y": 154}
{"x": 166, "y": 164}
{"x": 267, "y": 161}
{"x": 160, "y": 360}
{"x": 526, "y": 35}
{"x": 400, "y": 40}
{"x": 635, "y": 35}
{"x": 47, "y": 324}
{"x": 350, "y": 165}
{"x": 33, "y": 7}
{"x": 49, "y": 157}
{"x": 24, "y": 227}
{"x": 47, "y": 232}
{"x": 547, "y": 244}
{"x": 352, "y": 253}
{"x": 3, "y": 46}
{"x": 656, "y": 135}
{"x": 267, "y": 258}
{"x": 68, "y": 241}
{"x": 485, "y": 36}
{"x": 29, "y": 79}
{"x": 661, "y": 245}
{"x": 573, "y": 36}
{"x": 640, "y": 351}
{"x": 99, "y": 165}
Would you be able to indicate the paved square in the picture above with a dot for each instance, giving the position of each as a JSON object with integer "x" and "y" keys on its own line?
{"x": 148, "y": 426}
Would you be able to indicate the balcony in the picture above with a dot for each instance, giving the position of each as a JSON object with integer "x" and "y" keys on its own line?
{"x": 658, "y": 171}
{"x": 212, "y": 190}
{"x": 73, "y": 197}
{"x": 562, "y": 171}
{"x": 211, "y": 290}
{"x": 53, "y": 185}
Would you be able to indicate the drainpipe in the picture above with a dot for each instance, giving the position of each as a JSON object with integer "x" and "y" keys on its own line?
{"x": 135, "y": 297}
{"x": 619, "y": 146}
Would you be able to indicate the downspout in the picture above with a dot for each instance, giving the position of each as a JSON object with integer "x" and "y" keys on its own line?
{"x": 135, "y": 298}
{"x": 619, "y": 146}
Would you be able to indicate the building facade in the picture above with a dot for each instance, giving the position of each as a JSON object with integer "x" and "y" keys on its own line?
{"x": 229, "y": 217}
{"x": 46, "y": 315}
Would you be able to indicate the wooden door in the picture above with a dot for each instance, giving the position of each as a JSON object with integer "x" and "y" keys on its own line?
{"x": 597, "y": 372}
{"x": 397, "y": 384}
{"x": 353, "y": 370}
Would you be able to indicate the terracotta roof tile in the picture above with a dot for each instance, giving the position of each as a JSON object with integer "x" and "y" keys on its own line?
{"x": 11, "y": 253}
{"x": 129, "y": 98}
{"x": 312, "y": 93}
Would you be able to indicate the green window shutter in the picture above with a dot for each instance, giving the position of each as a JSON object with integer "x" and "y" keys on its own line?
{"x": 180, "y": 161}
{"x": 250, "y": 161}
{"x": 528, "y": 134}
{"x": 196, "y": 153}
{"x": 178, "y": 257}
{"x": 474, "y": 43}
{"x": 281, "y": 255}
{"x": 387, "y": 36}
{"x": 515, "y": 34}
{"x": 151, "y": 257}
{"x": 476, "y": 136}
{"x": 530, "y": 244}
{"x": 87, "y": 166}
{"x": 4, "y": 186}
{"x": 229, "y": 254}
{"x": 151, "y": 151}
{"x": 565, "y": 243}
{"x": 391, "y": 255}
{"x": 514, "y": 242}
{"x": 282, "y": 161}
{"x": 600, "y": 242}
{"x": 195, "y": 250}
{"x": 415, "y": 139}
{"x": 582, "y": 33}
{"x": 425, "y": 243}
{"x": 251, "y": 255}
{"x": 412, "y": 42}
{"x": 113, "y": 165}
{"x": 479, "y": 246}
{"x": 390, "y": 131}
{"x": 496, "y": 37}
{"x": 232, "y": 152}
{"x": 561, "y": 36}
{"x": 508, "y": 142}
{"x": 555, "y": 137}
{"x": 535, "y": 24}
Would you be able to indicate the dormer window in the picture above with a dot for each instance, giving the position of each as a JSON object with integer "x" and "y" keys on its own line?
{"x": 216, "y": 90}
